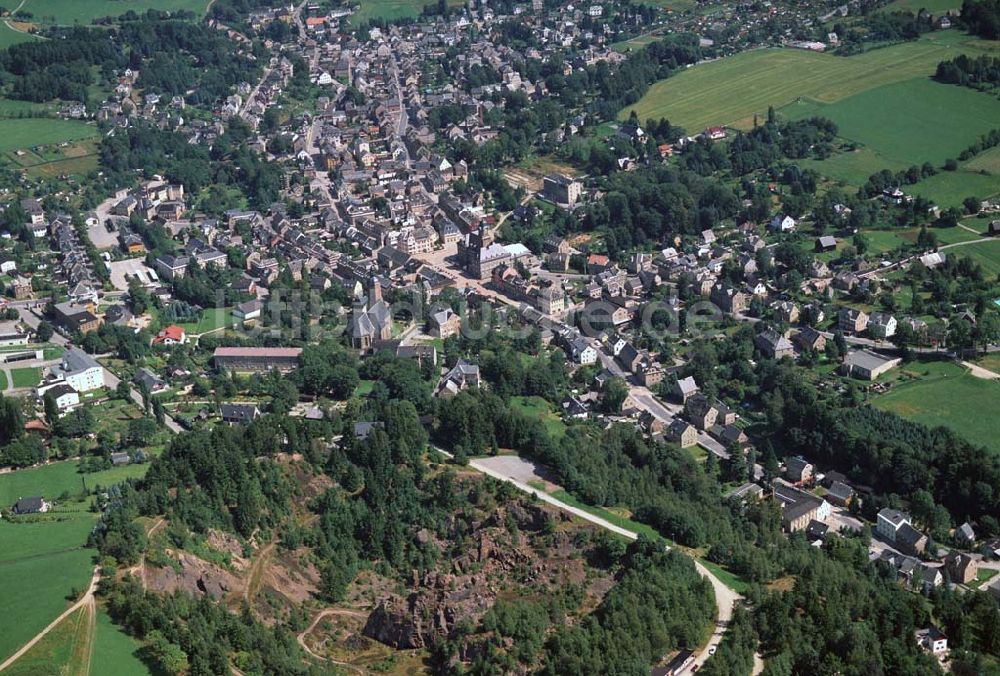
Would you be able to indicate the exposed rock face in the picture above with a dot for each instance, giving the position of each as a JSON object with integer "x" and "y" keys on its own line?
{"x": 467, "y": 585}
{"x": 196, "y": 576}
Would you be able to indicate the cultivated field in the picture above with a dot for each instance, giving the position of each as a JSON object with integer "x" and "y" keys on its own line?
{"x": 946, "y": 394}
{"x": 730, "y": 91}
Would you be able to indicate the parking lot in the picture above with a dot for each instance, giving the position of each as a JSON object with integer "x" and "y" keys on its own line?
{"x": 122, "y": 271}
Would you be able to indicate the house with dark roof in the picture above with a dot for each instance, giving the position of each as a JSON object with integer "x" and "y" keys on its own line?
{"x": 239, "y": 414}
{"x": 32, "y": 505}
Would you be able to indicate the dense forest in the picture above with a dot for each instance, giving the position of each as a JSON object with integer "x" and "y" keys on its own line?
{"x": 982, "y": 18}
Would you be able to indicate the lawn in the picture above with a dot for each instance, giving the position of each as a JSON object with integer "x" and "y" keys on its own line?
{"x": 47, "y": 535}
{"x": 731, "y": 90}
{"x": 901, "y": 121}
{"x": 211, "y": 319}
{"x": 364, "y": 388}
{"x": 946, "y": 394}
{"x": 115, "y": 652}
{"x": 3, "y": 381}
{"x": 536, "y": 407}
{"x": 62, "y": 651}
{"x": 67, "y": 12}
{"x": 28, "y": 132}
{"x": 914, "y": 6}
{"x": 26, "y": 377}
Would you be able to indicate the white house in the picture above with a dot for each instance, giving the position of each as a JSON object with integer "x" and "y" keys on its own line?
{"x": 80, "y": 371}
{"x": 932, "y": 639}
{"x": 65, "y": 396}
{"x": 889, "y": 522}
{"x": 583, "y": 352}
{"x": 882, "y": 325}
{"x": 783, "y": 223}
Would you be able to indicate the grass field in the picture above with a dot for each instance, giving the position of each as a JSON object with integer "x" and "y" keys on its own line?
{"x": 28, "y": 132}
{"x": 26, "y": 377}
{"x": 68, "y": 12}
{"x": 50, "y": 481}
{"x": 902, "y": 121}
{"x": 932, "y": 6}
{"x": 392, "y": 9}
{"x": 46, "y": 549}
{"x": 211, "y": 320}
{"x": 987, "y": 254}
{"x": 115, "y": 652}
{"x": 536, "y": 407}
{"x": 730, "y": 91}
{"x": 9, "y": 36}
{"x": 61, "y": 653}
{"x": 945, "y": 394}
{"x": 34, "y": 590}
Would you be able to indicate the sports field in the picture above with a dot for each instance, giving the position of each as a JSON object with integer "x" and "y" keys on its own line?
{"x": 68, "y": 12}
{"x": 946, "y": 394}
{"x": 730, "y": 91}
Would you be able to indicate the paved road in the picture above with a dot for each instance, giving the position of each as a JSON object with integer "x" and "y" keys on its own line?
{"x": 725, "y": 598}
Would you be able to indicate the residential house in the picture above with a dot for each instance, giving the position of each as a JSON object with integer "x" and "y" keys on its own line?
{"x": 79, "y": 370}
{"x": 170, "y": 335}
{"x": 840, "y": 494}
{"x": 773, "y": 344}
{"x": 681, "y": 433}
{"x": 463, "y": 376}
{"x": 852, "y": 321}
{"x": 239, "y": 414}
{"x": 889, "y": 521}
{"x": 799, "y": 471}
{"x": 444, "y": 323}
{"x": 685, "y": 388}
{"x": 961, "y": 568}
{"x": 32, "y": 505}
{"x": 882, "y": 325}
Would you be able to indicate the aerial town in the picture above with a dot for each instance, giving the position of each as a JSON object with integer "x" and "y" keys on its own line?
{"x": 500, "y": 337}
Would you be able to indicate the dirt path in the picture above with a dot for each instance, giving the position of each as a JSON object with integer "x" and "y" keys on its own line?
{"x": 257, "y": 571}
{"x": 312, "y": 625}
{"x": 980, "y": 372}
{"x": 86, "y": 600}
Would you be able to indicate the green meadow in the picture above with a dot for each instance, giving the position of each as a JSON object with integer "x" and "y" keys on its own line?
{"x": 115, "y": 652}
{"x": 731, "y": 90}
{"x": 69, "y": 12}
{"x": 943, "y": 393}
{"x": 27, "y": 132}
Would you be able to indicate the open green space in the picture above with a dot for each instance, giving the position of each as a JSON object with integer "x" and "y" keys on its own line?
{"x": 115, "y": 652}
{"x": 28, "y": 132}
{"x": 51, "y": 533}
{"x": 903, "y": 121}
{"x": 987, "y": 254}
{"x": 26, "y": 377}
{"x": 914, "y": 6}
{"x": 68, "y": 12}
{"x": 62, "y": 651}
{"x": 211, "y": 319}
{"x": 35, "y": 590}
{"x": 3, "y": 381}
{"x": 943, "y": 393}
{"x": 51, "y": 481}
{"x": 392, "y": 9}
{"x": 539, "y": 408}
{"x": 9, "y": 36}
{"x": 731, "y": 90}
